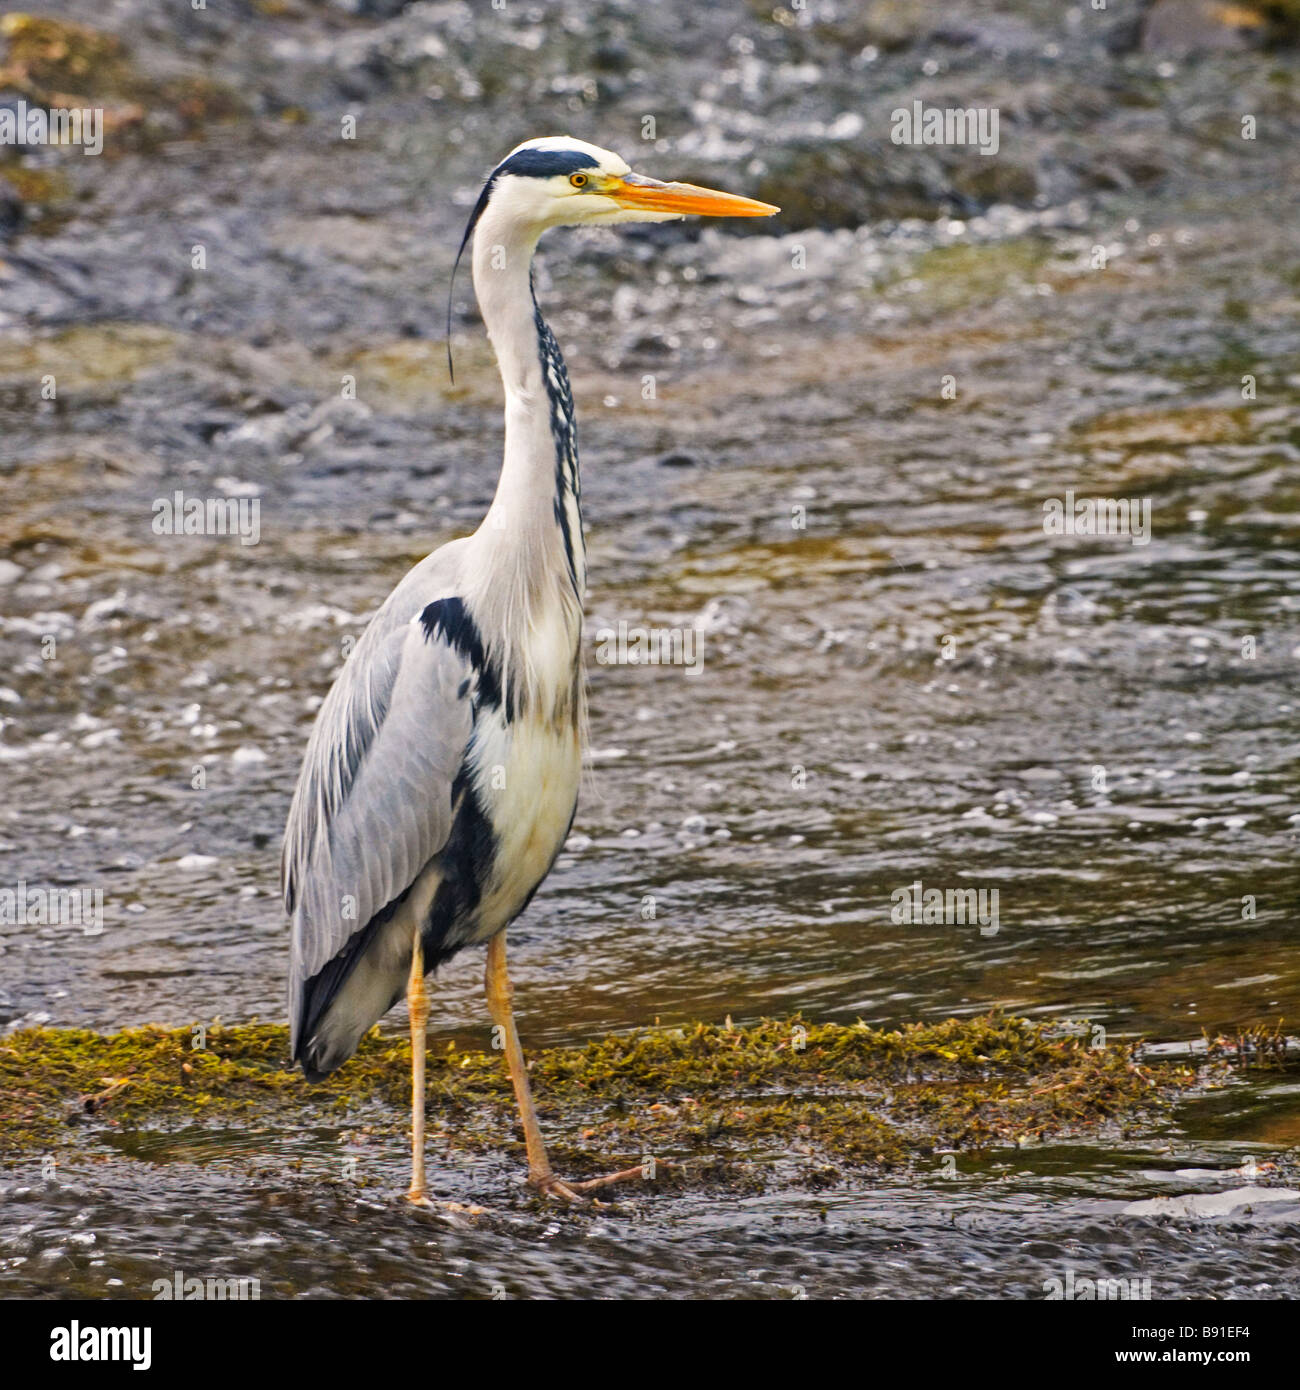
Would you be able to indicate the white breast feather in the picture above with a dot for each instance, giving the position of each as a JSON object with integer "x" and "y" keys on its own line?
{"x": 528, "y": 773}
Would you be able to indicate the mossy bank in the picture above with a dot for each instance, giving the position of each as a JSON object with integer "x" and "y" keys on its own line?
{"x": 777, "y": 1104}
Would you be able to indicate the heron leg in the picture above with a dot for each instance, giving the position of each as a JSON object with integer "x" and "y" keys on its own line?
{"x": 499, "y": 992}
{"x": 417, "y": 1002}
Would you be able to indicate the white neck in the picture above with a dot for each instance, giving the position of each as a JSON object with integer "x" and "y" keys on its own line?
{"x": 526, "y": 577}
{"x": 524, "y": 507}
{"x": 502, "y": 258}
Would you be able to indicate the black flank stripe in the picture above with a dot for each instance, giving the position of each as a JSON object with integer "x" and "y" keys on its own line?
{"x": 466, "y": 862}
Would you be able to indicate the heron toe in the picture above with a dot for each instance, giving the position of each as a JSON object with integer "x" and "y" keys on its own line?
{"x": 551, "y": 1186}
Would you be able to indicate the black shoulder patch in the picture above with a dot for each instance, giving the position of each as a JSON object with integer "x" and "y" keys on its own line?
{"x": 448, "y": 620}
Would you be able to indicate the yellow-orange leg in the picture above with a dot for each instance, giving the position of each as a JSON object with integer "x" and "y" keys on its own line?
{"x": 496, "y": 984}
{"x": 417, "y": 1002}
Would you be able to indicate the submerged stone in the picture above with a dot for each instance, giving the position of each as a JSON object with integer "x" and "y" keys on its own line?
{"x": 1240, "y": 1201}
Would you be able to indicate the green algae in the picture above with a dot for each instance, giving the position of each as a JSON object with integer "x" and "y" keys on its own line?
{"x": 781, "y": 1100}
{"x": 54, "y": 62}
{"x": 965, "y": 275}
{"x": 47, "y": 55}
{"x": 86, "y": 357}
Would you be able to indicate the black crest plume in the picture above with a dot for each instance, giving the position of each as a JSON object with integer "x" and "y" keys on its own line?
{"x": 464, "y": 242}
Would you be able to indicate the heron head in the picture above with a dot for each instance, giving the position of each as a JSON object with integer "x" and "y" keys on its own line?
{"x": 558, "y": 181}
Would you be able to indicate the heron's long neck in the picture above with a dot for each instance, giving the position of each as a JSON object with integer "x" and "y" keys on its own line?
{"x": 535, "y": 519}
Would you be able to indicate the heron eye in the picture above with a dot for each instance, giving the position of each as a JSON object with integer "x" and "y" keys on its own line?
{"x": 578, "y": 180}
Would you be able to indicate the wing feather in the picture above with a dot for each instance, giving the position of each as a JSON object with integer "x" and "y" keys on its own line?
{"x": 373, "y": 803}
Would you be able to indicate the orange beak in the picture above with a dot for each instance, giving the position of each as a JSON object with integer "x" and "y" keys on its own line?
{"x": 636, "y": 191}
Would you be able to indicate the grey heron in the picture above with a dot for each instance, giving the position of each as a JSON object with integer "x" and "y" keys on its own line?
{"x": 441, "y": 778}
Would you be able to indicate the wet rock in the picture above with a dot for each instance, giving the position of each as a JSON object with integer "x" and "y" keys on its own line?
{"x": 1240, "y": 1202}
{"x": 1123, "y": 34}
{"x": 372, "y": 9}
{"x": 887, "y": 24}
{"x": 846, "y": 185}
{"x": 725, "y": 615}
{"x": 982, "y": 182}
{"x": 1125, "y": 163}
{"x": 1283, "y": 18}
{"x": 193, "y": 863}
{"x": 1179, "y": 27}
{"x": 613, "y": 56}
{"x": 1001, "y": 34}
{"x": 12, "y": 212}
{"x": 301, "y": 427}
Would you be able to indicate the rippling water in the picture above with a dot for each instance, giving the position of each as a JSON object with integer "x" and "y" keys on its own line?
{"x": 903, "y": 678}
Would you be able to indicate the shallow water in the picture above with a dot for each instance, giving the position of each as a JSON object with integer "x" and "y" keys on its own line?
{"x": 1096, "y": 741}
{"x": 1001, "y": 1227}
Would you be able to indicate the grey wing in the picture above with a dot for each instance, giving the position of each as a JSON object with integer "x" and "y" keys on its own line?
{"x": 374, "y": 800}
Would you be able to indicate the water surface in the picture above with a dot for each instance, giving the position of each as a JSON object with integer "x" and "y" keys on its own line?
{"x": 903, "y": 677}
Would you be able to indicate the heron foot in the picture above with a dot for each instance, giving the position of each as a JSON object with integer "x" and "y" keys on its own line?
{"x": 551, "y": 1186}
{"x": 422, "y": 1199}
{"x": 548, "y": 1185}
